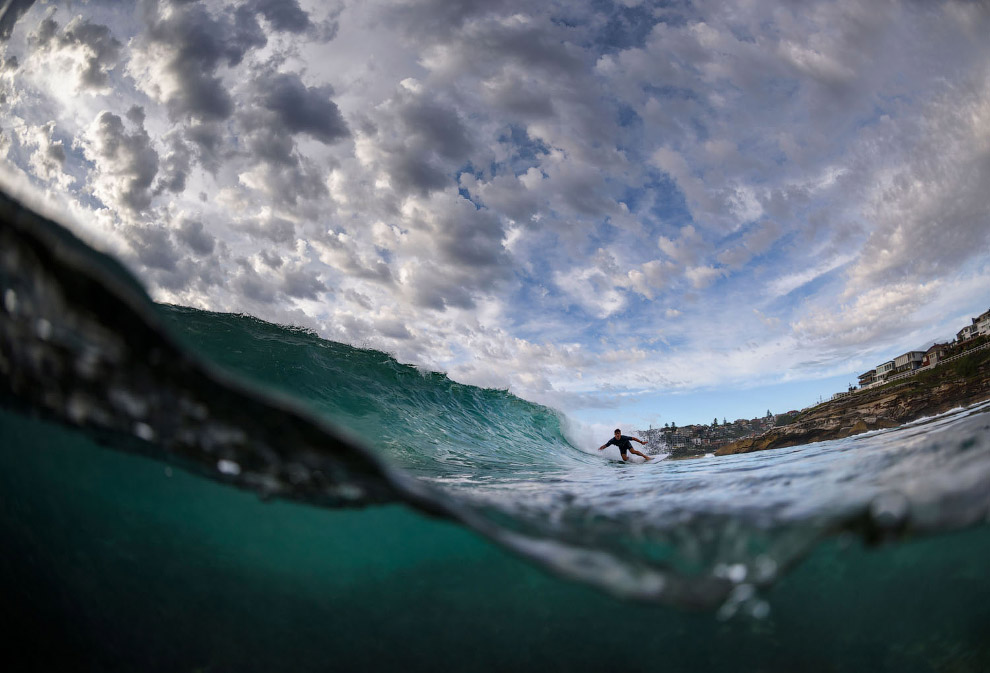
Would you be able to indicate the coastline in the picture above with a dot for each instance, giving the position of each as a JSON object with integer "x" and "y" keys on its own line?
{"x": 958, "y": 384}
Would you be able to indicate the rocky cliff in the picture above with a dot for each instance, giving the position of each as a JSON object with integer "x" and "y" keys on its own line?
{"x": 954, "y": 384}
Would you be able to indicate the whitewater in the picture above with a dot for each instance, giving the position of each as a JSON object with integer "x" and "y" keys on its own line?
{"x": 161, "y": 461}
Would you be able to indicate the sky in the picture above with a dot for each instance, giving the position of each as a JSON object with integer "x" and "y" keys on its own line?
{"x": 635, "y": 212}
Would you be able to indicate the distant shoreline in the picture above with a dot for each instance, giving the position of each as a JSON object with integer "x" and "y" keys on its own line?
{"x": 958, "y": 384}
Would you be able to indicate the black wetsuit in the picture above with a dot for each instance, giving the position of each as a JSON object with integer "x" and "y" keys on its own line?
{"x": 623, "y": 442}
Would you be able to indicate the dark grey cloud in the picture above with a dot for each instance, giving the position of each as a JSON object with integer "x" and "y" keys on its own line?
{"x": 266, "y": 140}
{"x": 414, "y": 172}
{"x": 15, "y": 9}
{"x": 471, "y": 239}
{"x": 440, "y": 17}
{"x": 435, "y": 287}
{"x": 303, "y": 179}
{"x": 302, "y": 109}
{"x": 276, "y": 108}
{"x": 302, "y": 284}
{"x": 342, "y": 256}
{"x": 271, "y": 259}
{"x": 463, "y": 257}
{"x": 285, "y": 15}
{"x": 423, "y": 142}
{"x": 393, "y": 329}
{"x": 125, "y": 162}
{"x": 195, "y": 43}
{"x": 521, "y": 97}
{"x": 249, "y": 284}
{"x": 154, "y": 247}
{"x": 196, "y": 238}
{"x": 175, "y": 166}
{"x": 207, "y": 142}
{"x": 358, "y": 298}
{"x": 437, "y": 126}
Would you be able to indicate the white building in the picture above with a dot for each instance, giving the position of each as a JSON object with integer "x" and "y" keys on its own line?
{"x": 982, "y": 324}
{"x": 966, "y": 333}
{"x": 884, "y": 370}
{"x": 908, "y": 361}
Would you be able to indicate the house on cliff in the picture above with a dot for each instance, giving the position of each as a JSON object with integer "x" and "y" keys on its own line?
{"x": 908, "y": 362}
{"x": 966, "y": 333}
{"x": 982, "y": 324}
{"x": 884, "y": 370}
{"x": 934, "y": 355}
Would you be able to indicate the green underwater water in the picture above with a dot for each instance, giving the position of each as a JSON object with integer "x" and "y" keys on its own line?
{"x": 116, "y": 562}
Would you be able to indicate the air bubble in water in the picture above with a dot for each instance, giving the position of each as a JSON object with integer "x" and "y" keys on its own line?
{"x": 77, "y": 408}
{"x": 766, "y": 568}
{"x": 760, "y": 609}
{"x": 736, "y": 573}
{"x": 144, "y": 431}
{"x": 10, "y": 301}
{"x": 43, "y": 329}
{"x": 228, "y": 467}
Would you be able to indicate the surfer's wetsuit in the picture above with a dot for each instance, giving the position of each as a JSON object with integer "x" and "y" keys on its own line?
{"x": 623, "y": 442}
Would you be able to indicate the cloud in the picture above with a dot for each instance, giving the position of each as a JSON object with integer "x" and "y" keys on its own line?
{"x": 594, "y": 287}
{"x": 196, "y": 238}
{"x": 928, "y": 212}
{"x": 284, "y": 15}
{"x": 703, "y": 276}
{"x": 687, "y": 249}
{"x": 154, "y": 247}
{"x": 651, "y": 277}
{"x": 48, "y": 160}
{"x": 125, "y": 163}
{"x": 302, "y": 284}
{"x": 301, "y": 109}
{"x": 175, "y": 166}
{"x": 87, "y": 49}
{"x": 417, "y": 140}
{"x": 14, "y": 10}
{"x": 878, "y": 315}
{"x": 177, "y": 59}
{"x": 783, "y": 285}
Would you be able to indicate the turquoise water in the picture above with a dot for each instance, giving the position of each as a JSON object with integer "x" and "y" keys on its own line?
{"x": 185, "y": 490}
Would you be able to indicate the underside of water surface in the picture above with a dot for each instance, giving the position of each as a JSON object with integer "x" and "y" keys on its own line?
{"x": 186, "y": 490}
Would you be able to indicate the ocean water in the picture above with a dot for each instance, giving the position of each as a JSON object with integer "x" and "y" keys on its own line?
{"x": 192, "y": 491}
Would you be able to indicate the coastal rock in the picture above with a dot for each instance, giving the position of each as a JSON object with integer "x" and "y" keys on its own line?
{"x": 926, "y": 394}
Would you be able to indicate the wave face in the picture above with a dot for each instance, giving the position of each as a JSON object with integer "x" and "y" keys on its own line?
{"x": 688, "y": 532}
{"x": 281, "y": 412}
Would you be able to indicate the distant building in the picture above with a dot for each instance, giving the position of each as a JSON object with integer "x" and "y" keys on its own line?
{"x": 868, "y": 378}
{"x": 884, "y": 370}
{"x": 982, "y": 324}
{"x": 966, "y": 333}
{"x": 934, "y": 355}
{"x": 908, "y": 362}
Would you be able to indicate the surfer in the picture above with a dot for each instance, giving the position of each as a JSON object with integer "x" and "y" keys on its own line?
{"x": 624, "y": 443}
